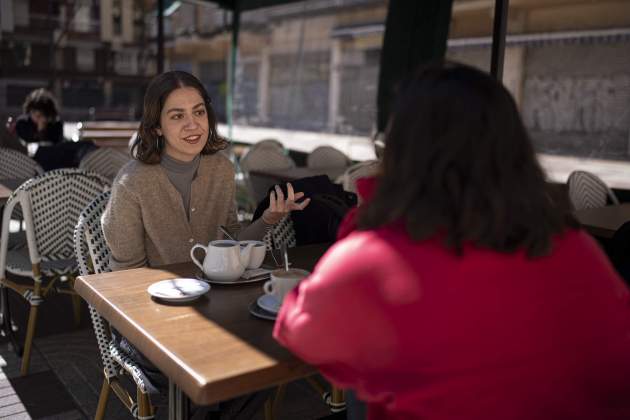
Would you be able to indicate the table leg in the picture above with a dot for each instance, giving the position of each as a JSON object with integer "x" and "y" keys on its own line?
{"x": 177, "y": 402}
{"x": 5, "y": 320}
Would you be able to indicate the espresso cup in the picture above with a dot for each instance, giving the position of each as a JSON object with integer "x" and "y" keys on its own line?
{"x": 257, "y": 253}
{"x": 283, "y": 281}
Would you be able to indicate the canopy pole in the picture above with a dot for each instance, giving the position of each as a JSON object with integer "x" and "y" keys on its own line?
{"x": 498, "y": 38}
{"x": 236, "y": 26}
{"x": 160, "y": 37}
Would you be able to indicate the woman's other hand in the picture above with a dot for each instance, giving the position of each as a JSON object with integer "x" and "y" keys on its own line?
{"x": 280, "y": 207}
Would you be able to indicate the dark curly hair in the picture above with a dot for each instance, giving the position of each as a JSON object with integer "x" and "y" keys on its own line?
{"x": 148, "y": 146}
{"x": 458, "y": 161}
{"x": 43, "y": 101}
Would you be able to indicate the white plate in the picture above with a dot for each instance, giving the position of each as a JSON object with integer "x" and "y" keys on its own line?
{"x": 269, "y": 303}
{"x": 178, "y": 290}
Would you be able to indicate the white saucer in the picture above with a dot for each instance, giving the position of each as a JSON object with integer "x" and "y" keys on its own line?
{"x": 269, "y": 303}
{"x": 178, "y": 290}
{"x": 259, "y": 312}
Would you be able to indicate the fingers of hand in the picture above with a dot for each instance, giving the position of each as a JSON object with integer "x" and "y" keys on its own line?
{"x": 281, "y": 204}
{"x": 290, "y": 192}
{"x": 272, "y": 202}
{"x": 300, "y": 206}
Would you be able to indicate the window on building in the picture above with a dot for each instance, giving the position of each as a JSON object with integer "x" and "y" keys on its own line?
{"x": 85, "y": 59}
{"x": 21, "y": 12}
{"x": 117, "y": 17}
{"x": 126, "y": 62}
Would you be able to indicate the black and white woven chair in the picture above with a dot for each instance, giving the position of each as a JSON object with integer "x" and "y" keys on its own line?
{"x": 327, "y": 157}
{"x": 92, "y": 256}
{"x": 51, "y": 204}
{"x": 587, "y": 190}
{"x": 16, "y": 165}
{"x": 106, "y": 161}
{"x": 282, "y": 233}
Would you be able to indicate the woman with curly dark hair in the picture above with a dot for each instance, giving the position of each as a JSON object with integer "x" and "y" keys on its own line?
{"x": 468, "y": 292}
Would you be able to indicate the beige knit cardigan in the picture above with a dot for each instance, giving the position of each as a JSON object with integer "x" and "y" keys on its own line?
{"x": 145, "y": 222}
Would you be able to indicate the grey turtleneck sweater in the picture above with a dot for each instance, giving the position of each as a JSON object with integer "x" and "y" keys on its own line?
{"x": 181, "y": 175}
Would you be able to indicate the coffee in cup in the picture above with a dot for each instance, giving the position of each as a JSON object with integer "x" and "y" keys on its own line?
{"x": 283, "y": 281}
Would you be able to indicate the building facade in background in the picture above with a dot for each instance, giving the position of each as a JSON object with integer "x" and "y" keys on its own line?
{"x": 313, "y": 65}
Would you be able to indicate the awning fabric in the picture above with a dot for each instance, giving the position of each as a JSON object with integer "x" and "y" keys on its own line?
{"x": 415, "y": 32}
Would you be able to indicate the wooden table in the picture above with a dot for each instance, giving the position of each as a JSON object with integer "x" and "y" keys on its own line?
{"x": 603, "y": 221}
{"x": 291, "y": 174}
{"x": 212, "y": 349}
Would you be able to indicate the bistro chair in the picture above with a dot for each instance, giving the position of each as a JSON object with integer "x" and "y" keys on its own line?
{"x": 262, "y": 156}
{"x": 356, "y": 171}
{"x": 327, "y": 157}
{"x": 16, "y": 165}
{"x": 282, "y": 233}
{"x": 106, "y": 161}
{"x": 587, "y": 190}
{"x": 51, "y": 204}
{"x": 92, "y": 254}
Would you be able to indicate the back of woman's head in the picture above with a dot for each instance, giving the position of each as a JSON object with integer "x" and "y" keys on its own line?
{"x": 43, "y": 101}
{"x": 458, "y": 161}
{"x": 148, "y": 146}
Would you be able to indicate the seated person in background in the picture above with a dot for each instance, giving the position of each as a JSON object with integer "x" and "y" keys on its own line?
{"x": 176, "y": 192}
{"x": 41, "y": 124}
{"x": 467, "y": 293}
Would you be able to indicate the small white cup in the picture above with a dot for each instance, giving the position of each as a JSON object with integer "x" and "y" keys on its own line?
{"x": 282, "y": 282}
{"x": 257, "y": 253}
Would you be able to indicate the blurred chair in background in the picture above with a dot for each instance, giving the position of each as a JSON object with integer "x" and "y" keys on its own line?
{"x": 106, "y": 161}
{"x": 16, "y": 165}
{"x": 327, "y": 157}
{"x": 587, "y": 190}
{"x": 360, "y": 170}
{"x": 265, "y": 155}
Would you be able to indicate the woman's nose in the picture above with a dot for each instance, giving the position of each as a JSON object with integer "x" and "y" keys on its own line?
{"x": 191, "y": 123}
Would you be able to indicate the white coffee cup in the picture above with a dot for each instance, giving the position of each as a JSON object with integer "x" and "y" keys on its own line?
{"x": 257, "y": 253}
{"x": 283, "y": 281}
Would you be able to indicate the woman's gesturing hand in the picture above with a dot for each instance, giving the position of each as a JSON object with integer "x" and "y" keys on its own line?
{"x": 280, "y": 207}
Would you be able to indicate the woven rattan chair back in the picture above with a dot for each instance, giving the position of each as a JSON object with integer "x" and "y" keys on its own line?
{"x": 93, "y": 256}
{"x": 16, "y": 165}
{"x": 281, "y": 233}
{"x": 51, "y": 204}
{"x": 327, "y": 157}
{"x": 587, "y": 190}
{"x": 106, "y": 161}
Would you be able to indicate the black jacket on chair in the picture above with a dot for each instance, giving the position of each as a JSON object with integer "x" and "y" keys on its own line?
{"x": 319, "y": 221}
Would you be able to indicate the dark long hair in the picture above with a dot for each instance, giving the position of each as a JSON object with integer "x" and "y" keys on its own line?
{"x": 148, "y": 146}
{"x": 43, "y": 101}
{"x": 458, "y": 161}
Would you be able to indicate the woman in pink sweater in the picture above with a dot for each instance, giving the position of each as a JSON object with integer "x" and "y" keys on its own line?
{"x": 466, "y": 291}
